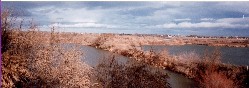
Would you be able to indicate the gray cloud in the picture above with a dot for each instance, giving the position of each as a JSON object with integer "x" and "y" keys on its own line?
{"x": 220, "y": 23}
{"x": 139, "y": 15}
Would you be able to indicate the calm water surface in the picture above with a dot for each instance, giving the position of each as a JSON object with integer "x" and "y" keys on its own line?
{"x": 92, "y": 57}
{"x": 231, "y": 55}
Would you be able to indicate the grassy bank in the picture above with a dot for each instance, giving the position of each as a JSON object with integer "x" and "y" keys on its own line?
{"x": 208, "y": 70}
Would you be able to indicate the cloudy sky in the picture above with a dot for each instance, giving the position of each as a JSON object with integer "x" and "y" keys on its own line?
{"x": 184, "y": 18}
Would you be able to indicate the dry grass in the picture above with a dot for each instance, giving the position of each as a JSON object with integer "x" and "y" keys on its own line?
{"x": 29, "y": 60}
{"x": 208, "y": 70}
{"x": 212, "y": 74}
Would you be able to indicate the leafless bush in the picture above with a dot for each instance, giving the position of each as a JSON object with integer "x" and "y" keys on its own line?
{"x": 61, "y": 67}
{"x": 211, "y": 72}
{"x": 101, "y": 40}
{"x": 112, "y": 74}
{"x": 29, "y": 61}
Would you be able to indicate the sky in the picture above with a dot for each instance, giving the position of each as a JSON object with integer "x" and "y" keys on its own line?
{"x": 183, "y": 18}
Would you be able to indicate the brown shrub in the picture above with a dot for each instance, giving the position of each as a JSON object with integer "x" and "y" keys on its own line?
{"x": 101, "y": 40}
{"x": 112, "y": 74}
{"x": 29, "y": 61}
{"x": 211, "y": 74}
{"x": 217, "y": 80}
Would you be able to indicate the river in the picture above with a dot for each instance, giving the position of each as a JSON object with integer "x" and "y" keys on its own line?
{"x": 92, "y": 57}
{"x": 229, "y": 55}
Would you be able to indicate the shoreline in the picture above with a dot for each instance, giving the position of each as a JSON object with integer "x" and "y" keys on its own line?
{"x": 159, "y": 40}
{"x": 130, "y": 47}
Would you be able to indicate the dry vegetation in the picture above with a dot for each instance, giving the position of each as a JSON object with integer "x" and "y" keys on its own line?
{"x": 218, "y": 42}
{"x": 42, "y": 60}
{"x": 132, "y": 74}
{"x": 29, "y": 60}
{"x": 208, "y": 70}
{"x": 211, "y": 73}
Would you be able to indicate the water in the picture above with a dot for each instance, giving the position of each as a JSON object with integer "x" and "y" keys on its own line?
{"x": 231, "y": 55}
{"x": 179, "y": 81}
{"x": 92, "y": 57}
